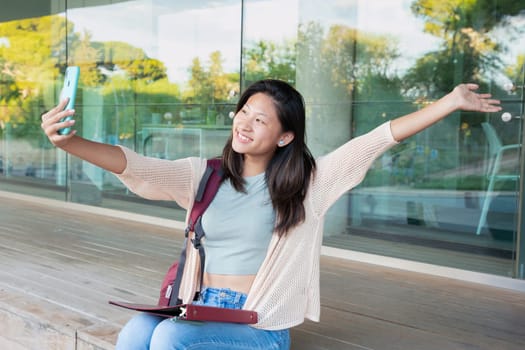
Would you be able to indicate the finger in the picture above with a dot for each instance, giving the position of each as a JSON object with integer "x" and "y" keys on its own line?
{"x": 51, "y": 129}
{"x": 57, "y": 138}
{"x": 62, "y": 104}
{"x": 58, "y": 108}
{"x": 493, "y": 102}
{"x": 491, "y": 107}
{"x": 472, "y": 86}
{"x": 485, "y": 95}
{"x": 55, "y": 117}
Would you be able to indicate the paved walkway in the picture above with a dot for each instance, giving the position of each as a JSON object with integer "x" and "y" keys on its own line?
{"x": 60, "y": 265}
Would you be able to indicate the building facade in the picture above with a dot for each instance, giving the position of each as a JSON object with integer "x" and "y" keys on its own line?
{"x": 163, "y": 77}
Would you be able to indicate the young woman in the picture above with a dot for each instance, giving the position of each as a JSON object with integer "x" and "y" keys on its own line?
{"x": 264, "y": 226}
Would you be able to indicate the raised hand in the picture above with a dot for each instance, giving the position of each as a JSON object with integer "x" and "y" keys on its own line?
{"x": 51, "y": 124}
{"x": 468, "y": 99}
{"x": 463, "y": 97}
{"x": 106, "y": 156}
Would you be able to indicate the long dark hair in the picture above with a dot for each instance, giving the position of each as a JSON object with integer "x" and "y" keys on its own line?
{"x": 289, "y": 171}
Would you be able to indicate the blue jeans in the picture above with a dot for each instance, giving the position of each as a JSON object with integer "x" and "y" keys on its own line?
{"x": 145, "y": 331}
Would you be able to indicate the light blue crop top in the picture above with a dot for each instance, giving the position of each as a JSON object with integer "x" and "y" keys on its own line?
{"x": 238, "y": 228}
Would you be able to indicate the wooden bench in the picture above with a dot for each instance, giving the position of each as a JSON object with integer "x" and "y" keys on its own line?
{"x": 61, "y": 263}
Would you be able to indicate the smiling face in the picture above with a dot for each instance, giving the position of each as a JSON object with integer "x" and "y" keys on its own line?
{"x": 257, "y": 132}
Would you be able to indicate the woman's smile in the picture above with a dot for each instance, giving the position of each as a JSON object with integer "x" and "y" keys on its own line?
{"x": 243, "y": 138}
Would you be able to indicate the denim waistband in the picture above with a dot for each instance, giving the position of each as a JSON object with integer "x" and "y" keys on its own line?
{"x": 222, "y": 297}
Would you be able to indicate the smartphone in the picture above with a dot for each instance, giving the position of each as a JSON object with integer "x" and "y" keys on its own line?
{"x": 69, "y": 89}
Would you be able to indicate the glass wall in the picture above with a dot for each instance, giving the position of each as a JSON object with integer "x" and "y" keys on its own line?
{"x": 162, "y": 77}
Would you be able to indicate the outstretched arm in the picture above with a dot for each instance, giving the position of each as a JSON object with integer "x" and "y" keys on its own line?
{"x": 106, "y": 156}
{"x": 463, "y": 97}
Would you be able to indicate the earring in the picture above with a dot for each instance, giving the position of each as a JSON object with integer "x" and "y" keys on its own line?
{"x": 281, "y": 142}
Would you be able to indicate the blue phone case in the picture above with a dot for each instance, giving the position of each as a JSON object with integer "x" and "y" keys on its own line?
{"x": 69, "y": 89}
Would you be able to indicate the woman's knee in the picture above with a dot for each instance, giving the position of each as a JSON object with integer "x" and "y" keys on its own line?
{"x": 173, "y": 334}
{"x": 137, "y": 332}
{"x": 166, "y": 336}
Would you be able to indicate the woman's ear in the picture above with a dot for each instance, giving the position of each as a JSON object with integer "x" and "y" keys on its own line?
{"x": 285, "y": 139}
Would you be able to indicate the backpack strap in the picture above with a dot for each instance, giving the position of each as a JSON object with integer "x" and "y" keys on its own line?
{"x": 208, "y": 186}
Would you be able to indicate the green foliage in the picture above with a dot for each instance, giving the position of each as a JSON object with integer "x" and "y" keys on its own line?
{"x": 264, "y": 59}
{"x": 28, "y": 81}
{"x": 352, "y": 57}
{"x": 29, "y": 57}
{"x": 86, "y": 57}
{"x": 210, "y": 85}
{"x": 358, "y": 64}
{"x": 468, "y": 49}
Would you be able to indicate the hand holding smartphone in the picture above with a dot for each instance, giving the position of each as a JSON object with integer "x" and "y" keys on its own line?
{"x": 69, "y": 90}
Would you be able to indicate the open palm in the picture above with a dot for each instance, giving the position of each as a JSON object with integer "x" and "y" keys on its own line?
{"x": 469, "y": 100}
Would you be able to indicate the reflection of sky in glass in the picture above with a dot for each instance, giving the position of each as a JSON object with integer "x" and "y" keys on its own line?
{"x": 128, "y": 22}
{"x": 391, "y": 18}
{"x": 176, "y": 35}
{"x": 379, "y": 17}
{"x": 196, "y": 33}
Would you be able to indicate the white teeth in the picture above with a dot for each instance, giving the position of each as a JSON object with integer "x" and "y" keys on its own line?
{"x": 242, "y": 137}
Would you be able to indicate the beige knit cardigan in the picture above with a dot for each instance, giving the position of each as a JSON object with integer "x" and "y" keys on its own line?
{"x": 286, "y": 287}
